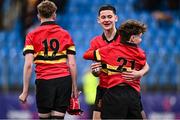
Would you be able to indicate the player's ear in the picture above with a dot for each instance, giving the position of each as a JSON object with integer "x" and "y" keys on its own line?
{"x": 54, "y": 16}
{"x": 116, "y": 18}
{"x": 131, "y": 39}
{"x": 98, "y": 20}
{"x": 132, "y": 36}
{"x": 38, "y": 16}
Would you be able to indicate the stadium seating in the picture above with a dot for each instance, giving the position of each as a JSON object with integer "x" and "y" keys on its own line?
{"x": 162, "y": 46}
{"x": 157, "y": 44}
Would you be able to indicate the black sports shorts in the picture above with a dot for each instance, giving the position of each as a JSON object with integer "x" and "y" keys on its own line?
{"x": 53, "y": 94}
{"x": 121, "y": 102}
{"x": 98, "y": 101}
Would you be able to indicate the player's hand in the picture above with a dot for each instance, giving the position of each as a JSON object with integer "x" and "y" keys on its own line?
{"x": 96, "y": 68}
{"x": 23, "y": 97}
{"x": 132, "y": 75}
{"x": 75, "y": 92}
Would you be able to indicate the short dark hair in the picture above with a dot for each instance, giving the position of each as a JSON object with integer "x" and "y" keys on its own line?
{"x": 46, "y": 8}
{"x": 107, "y": 7}
{"x": 131, "y": 27}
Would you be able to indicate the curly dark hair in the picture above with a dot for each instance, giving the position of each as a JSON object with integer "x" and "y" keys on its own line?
{"x": 46, "y": 8}
{"x": 131, "y": 27}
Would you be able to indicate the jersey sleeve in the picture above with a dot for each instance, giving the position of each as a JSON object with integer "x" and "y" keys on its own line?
{"x": 144, "y": 58}
{"x": 93, "y": 45}
{"x": 68, "y": 44}
{"x": 102, "y": 54}
{"x": 141, "y": 57}
{"x": 89, "y": 55}
{"x": 28, "y": 47}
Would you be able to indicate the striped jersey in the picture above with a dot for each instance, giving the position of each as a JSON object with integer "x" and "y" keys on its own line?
{"x": 119, "y": 58}
{"x": 49, "y": 44}
{"x": 98, "y": 42}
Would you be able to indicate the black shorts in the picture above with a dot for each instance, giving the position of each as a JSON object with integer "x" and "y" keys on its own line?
{"x": 98, "y": 101}
{"x": 121, "y": 102}
{"x": 141, "y": 105}
{"x": 53, "y": 94}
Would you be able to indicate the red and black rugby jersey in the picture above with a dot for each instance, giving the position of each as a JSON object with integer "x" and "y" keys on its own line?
{"x": 101, "y": 41}
{"x": 50, "y": 45}
{"x": 98, "y": 42}
{"x": 119, "y": 58}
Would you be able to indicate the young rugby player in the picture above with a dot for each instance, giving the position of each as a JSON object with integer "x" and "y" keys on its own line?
{"x": 121, "y": 99}
{"x": 53, "y": 52}
{"x": 107, "y": 18}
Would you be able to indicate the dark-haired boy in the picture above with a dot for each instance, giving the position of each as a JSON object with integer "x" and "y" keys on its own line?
{"x": 107, "y": 18}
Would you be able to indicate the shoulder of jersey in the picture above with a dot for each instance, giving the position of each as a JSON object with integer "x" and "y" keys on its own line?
{"x": 141, "y": 50}
{"x": 96, "y": 38}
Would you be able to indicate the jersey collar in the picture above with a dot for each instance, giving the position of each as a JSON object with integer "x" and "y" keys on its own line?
{"x": 128, "y": 43}
{"x": 48, "y": 23}
{"x": 115, "y": 37}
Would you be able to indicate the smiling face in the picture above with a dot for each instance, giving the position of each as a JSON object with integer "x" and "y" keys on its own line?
{"x": 107, "y": 19}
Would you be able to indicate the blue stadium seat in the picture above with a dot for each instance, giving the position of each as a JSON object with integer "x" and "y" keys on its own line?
{"x": 4, "y": 54}
{"x": 12, "y": 39}
{"x": 144, "y": 17}
{"x": 162, "y": 46}
{"x": 13, "y": 65}
{"x": 6, "y": 5}
{"x": 2, "y": 39}
{"x": 151, "y": 76}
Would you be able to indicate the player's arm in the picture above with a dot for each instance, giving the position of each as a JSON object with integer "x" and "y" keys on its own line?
{"x": 144, "y": 70}
{"x": 89, "y": 55}
{"x": 73, "y": 70}
{"x": 26, "y": 76}
{"x": 96, "y": 55}
{"x": 69, "y": 46}
{"x": 134, "y": 74}
{"x": 99, "y": 55}
{"x": 95, "y": 66}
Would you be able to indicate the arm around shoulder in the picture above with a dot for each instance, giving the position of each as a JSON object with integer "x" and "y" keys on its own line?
{"x": 145, "y": 69}
{"x": 89, "y": 55}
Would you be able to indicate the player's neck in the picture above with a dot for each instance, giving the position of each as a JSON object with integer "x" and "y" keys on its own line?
{"x": 46, "y": 20}
{"x": 110, "y": 33}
